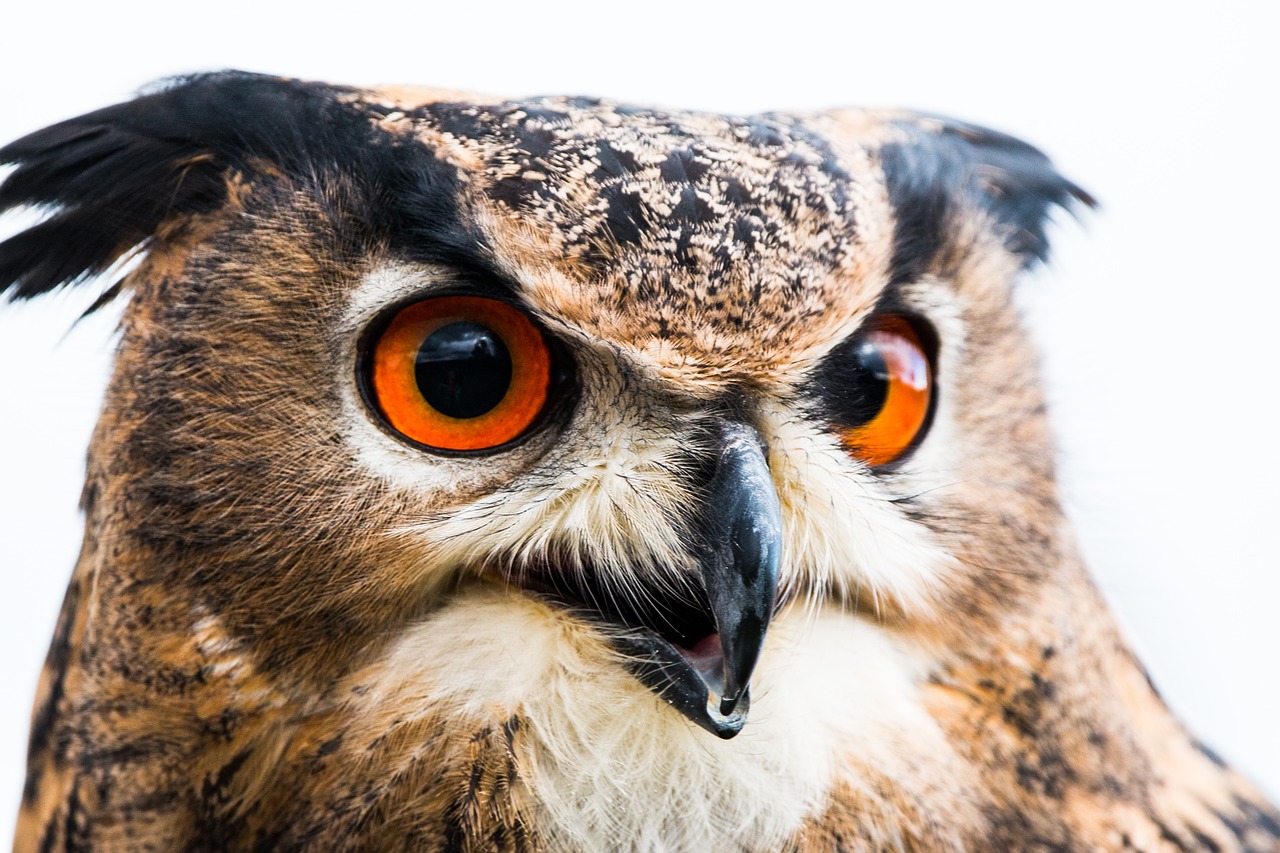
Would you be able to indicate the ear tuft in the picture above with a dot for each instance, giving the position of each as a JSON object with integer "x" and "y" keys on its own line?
{"x": 114, "y": 176}
{"x": 945, "y": 167}
{"x": 110, "y": 189}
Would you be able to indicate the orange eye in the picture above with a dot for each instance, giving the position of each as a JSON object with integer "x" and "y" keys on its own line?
{"x": 884, "y": 406}
{"x": 460, "y": 372}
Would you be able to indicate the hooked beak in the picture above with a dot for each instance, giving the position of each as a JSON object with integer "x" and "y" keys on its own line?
{"x": 738, "y": 559}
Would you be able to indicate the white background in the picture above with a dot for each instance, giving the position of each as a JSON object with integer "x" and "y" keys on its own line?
{"x": 1158, "y": 316}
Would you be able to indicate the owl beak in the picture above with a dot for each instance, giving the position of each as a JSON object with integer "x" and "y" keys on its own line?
{"x": 738, "y": 557}
{"x": 740, "y": 563}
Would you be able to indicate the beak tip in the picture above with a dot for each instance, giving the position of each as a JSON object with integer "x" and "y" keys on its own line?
{"x": 728, "y": 718}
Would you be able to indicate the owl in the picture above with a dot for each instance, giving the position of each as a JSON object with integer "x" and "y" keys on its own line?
{"x": 563, "y": 475}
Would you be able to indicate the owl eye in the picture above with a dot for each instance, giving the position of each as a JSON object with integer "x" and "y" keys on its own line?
{"x": 459, "y": 373}
{"x": 880, "y": 391}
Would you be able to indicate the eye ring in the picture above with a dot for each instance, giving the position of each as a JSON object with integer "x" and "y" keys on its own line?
{"x": 457, "y": 374}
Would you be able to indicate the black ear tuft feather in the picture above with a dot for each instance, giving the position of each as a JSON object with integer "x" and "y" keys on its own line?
{"x": 114, "y": 175}
{"x": 945, "y": 165}
{"x": 112, "y": 189}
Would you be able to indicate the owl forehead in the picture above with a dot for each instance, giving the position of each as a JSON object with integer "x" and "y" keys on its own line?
{"x": 682, "y": 236}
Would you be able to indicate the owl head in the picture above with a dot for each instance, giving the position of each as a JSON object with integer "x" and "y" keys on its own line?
{"x": 599, "y": 422}
{"x": 670, "y": 373}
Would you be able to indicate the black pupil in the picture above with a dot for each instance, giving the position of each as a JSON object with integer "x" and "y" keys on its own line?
{"x": 463, "y": 370}
{"x": 869, "y": 385}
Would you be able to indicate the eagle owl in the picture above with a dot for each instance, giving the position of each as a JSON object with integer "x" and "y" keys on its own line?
{"x": 557, "y": 474}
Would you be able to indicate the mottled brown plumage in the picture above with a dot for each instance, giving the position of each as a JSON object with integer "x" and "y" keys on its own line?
{"x": 290, "y": 629}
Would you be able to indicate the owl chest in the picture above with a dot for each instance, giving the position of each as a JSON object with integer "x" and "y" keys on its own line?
{"x": 463, "y": 730}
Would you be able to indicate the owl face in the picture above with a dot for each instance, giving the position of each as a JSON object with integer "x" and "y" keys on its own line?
{"x": 556, "y": 407}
